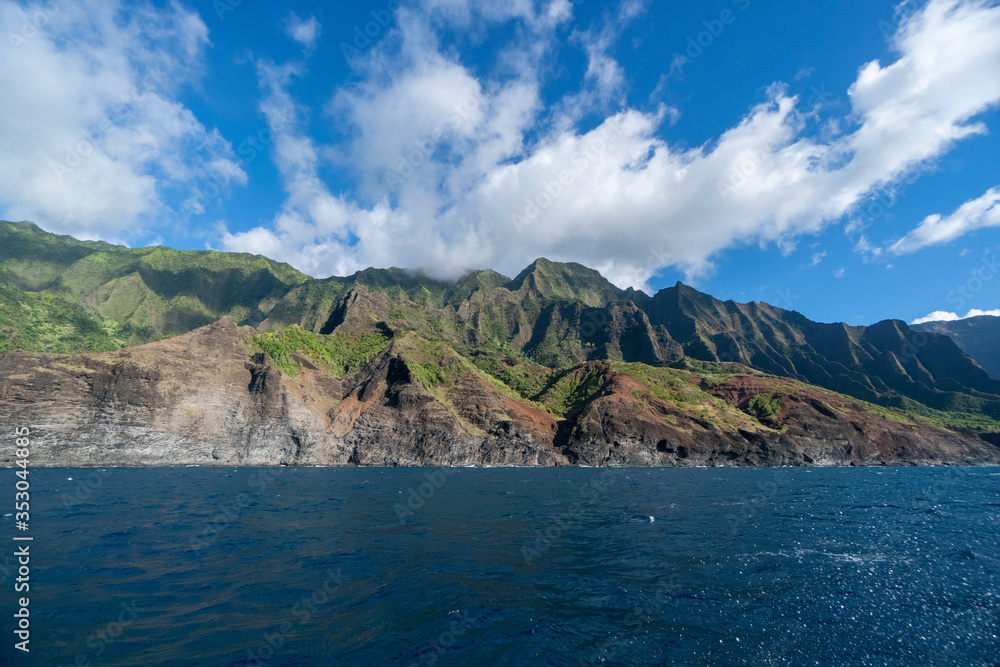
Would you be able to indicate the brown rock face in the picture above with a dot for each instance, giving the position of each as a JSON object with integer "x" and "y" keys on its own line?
{"x": 199, "y": 398}
{"x": 827, "y": 429}
{"x": 206, "y": 398}
{"x": 358, "y": 310}
{"x": 203, "y": 398}
{"x": 813, "y": 427}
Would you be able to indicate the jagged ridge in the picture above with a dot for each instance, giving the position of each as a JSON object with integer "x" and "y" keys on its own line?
{"x": 58, "y": 294}
{"x": 551, "y": 317}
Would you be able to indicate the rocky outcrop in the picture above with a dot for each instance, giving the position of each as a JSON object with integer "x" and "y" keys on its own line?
{"x": 205, "y": 399}
{"x": 628, "y": 427}
{"x": 209, "y": 398}
{"x": 358, "y": 311}
{"x": 200, "y": 398}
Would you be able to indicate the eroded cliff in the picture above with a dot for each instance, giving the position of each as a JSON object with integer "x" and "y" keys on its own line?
{"x": 211, "y": 397}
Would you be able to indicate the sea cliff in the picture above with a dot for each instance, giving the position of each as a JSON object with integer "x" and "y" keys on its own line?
{"x": 209, "y": 398}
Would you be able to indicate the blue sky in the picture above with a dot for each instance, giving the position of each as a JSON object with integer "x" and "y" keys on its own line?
{"x": 836, "y": 158}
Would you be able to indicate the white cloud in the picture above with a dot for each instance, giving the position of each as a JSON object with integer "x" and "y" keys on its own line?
{"x": 604, "y": 82}
{"x": 865, "y": 248}
{"x": 303, "y": 31}
{"x": 510, "y": 180}
{"x": 945, "y": 316}
{"x": 937, "y": 316}
{"x": 91, "y": 134}
{"x": 804, "y": 73}
{"x": 314, "y": 226}
{"x": 475, "y": 18}
{"x": 970, "y": 216}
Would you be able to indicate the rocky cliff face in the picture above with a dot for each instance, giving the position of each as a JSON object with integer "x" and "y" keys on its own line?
{"x": 204, "y": 398}
{"x": 627, "y": 426}
{"x": 210, "y": 398}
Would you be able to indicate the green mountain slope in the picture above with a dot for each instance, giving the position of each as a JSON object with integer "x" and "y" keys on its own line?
{"x": 565, "y": 282}
{"x": 977, "y": 336}
{"x": 63, "y": 295}
{"x": 131, "y": 295}
{"x": 887, "y": 362}
{"x": 46, "y": 322}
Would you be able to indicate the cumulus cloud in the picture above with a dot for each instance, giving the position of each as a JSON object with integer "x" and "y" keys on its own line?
{"x": 945, "y": 316}
{"x": 449, "y": 185}
{"x": 303, "y": 31}
{"x": 313, "y": 225}
{"x": 970, "y": 216}
{"x": 92, "y": 134}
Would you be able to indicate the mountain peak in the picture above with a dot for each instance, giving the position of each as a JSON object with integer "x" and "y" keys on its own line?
{"x": 565, "y": 280}
{"x": 483, "y": 281}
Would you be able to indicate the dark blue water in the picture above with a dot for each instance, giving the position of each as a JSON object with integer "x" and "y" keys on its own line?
{"x": 292, "y": 566}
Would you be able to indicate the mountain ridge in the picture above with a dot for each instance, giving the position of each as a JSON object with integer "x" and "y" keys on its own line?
{"x": 978, "y": 336}
{"x": 126, "y": 296}
{"x": 515, "y": 334}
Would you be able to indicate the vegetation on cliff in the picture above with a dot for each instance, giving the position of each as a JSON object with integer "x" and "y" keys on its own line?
{"x": 59, "y": 294}
{"x": 552, "y": 337}
{"x": 339, "y": 354}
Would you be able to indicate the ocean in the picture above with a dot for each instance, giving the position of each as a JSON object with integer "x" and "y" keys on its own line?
{"x": 555, "y": 566}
